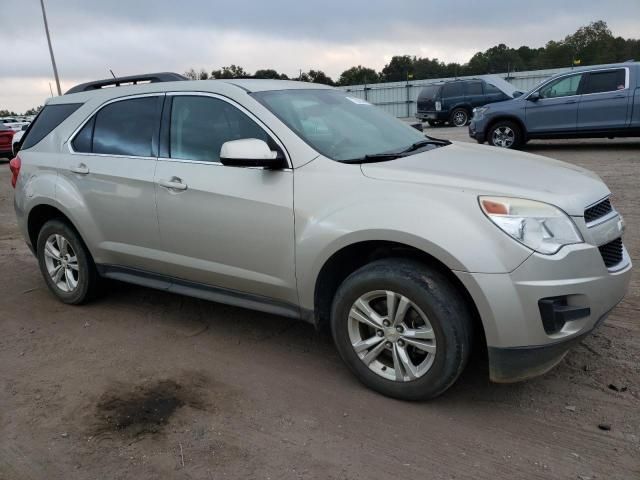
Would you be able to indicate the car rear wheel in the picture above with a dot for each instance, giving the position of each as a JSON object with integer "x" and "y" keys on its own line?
{"x": 402, "y": 328}
{"x": 505, "y": 134}
{"x": 459, "y": 117}
{"x": 65, "y": 263}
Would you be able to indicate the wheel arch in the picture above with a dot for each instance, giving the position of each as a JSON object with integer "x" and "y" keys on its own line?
{"x": 353, "y": 256}
{"x": 40, "y": 214}
{"x": 512, "y": 118}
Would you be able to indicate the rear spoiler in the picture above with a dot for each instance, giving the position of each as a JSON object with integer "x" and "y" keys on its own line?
{"x": 130, "y": 80}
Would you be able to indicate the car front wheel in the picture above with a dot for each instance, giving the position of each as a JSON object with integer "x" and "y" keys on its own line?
{"x": 505, "y": 134}
{"x": 402, "y": 328}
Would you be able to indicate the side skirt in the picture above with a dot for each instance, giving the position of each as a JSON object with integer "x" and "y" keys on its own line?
{"x": 205, "y": 292}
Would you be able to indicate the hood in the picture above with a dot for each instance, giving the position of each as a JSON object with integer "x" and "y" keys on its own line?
{"x": 483, "y": 170}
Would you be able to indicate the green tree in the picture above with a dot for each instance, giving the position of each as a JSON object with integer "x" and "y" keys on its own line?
{"x": 7, "y": 113}
{"x": 232, "y": 71}
{"x": 358, "y": 75}
{"x": 33, "y": 111}
{"x": 191, "y": 74}
{"x": 318, "y": 76}
{"x": 269, "y": 73}
{"x": 399, "y": 68}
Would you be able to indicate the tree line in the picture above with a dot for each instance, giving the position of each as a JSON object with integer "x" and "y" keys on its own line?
{"x": 589, "y": 45}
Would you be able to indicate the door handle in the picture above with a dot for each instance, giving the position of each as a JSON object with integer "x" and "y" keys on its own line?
{"x": 174, "y": 183}
{"x": 80, "y": 169}
{"x": 570, "y": 101}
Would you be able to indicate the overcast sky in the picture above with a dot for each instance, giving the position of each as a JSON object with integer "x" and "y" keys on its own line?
{"x": 135, "y": 36}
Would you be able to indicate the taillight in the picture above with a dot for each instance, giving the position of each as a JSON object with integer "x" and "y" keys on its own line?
{"x": 14, "y": 166}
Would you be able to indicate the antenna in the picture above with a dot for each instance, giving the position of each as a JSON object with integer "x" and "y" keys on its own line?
{"x": 113, "y": 75}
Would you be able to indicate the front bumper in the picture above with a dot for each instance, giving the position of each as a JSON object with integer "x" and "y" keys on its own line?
{"x": 508, "y": 304}
{"x": 476, "y": 130}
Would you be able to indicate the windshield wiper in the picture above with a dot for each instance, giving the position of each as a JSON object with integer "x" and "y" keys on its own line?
{"x": 381, "y": 157}
{"x": 424, "y": 143}
{"x": 374, "y": 157}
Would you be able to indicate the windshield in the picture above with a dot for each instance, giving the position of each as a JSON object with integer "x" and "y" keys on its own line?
{"x": 338, "y": 126}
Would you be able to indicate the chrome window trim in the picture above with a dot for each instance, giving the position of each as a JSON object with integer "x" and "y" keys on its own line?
{"x": 244, "y": 110}
{"x": 94, "y": 112}
{"x": 626, "y": 82}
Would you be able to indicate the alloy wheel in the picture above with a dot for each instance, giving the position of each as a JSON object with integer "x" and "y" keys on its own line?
{"x": 392, "y": 335}
{"x": 503, "y": 137}
{"x": 460, "y": 118}
{"x": 62, "y": 263}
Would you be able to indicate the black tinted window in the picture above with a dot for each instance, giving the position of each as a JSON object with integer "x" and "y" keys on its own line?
{"x": 474, "y": 88}
{"x": 127, "y": 127}
{"x": 430, "y": 91}
{"x": 200, "y": 125}
{"x": 607, "y": 81}
{"x": 488, "y": 88}
{"x": 453, "y": 89}
{"x": 49, "y": 118}
{"x": 83, "y": 141}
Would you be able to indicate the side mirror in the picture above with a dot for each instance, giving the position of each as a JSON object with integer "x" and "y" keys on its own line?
{"x": 517, "y": 94}
{"x": 249, "y": 152}
{"x": 534, "y": 97}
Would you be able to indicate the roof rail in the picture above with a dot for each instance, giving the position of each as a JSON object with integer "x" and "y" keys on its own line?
{"x": 132, "y": 79}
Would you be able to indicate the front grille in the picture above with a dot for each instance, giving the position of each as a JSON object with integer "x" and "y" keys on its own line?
{"x": 597, "y": 211}
{"x": 611, "y": 252}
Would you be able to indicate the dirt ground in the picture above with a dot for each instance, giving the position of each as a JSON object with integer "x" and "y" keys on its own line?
{"x": 147, "y": 385}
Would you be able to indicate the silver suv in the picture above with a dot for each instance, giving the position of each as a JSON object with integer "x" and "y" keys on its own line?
{"x": 303, "y": 201}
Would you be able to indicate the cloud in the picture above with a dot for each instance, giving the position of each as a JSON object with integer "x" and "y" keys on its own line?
{"x": 92, "y": 36}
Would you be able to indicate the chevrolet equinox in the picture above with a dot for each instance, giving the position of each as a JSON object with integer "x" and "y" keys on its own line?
{"x": 301, "y": 200}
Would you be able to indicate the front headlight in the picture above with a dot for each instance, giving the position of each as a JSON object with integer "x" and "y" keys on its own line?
{"x": 480, "y": 110}
{"x": 540, "y": 226}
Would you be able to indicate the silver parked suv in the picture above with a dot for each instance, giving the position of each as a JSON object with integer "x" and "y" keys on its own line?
{"x": 303, "y": 201}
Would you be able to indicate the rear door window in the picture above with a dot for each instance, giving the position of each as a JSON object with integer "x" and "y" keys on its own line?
{"x": 474, "y": 88}
{"x": 125, "y": 127}
{"x": 606, "y": 81}
{"x": 453, "y": 89}
{"x": 47, "y": 120}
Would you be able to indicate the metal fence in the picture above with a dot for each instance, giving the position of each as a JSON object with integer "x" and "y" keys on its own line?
{"x": 399, "y": 98}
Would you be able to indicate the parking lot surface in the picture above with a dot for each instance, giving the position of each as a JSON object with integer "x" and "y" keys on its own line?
{"x": 143, "y": 384}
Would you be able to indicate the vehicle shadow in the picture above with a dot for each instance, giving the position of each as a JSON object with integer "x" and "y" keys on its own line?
{"x": 285, "y": 336}
{"x": 580, "y": 146}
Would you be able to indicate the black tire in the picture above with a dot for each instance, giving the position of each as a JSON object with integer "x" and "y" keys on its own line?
{"x": 87, "y": 276}
{"x": 433, "y": 293}
{"x": 459, "y": 117}
{"x": 496, "y": 140}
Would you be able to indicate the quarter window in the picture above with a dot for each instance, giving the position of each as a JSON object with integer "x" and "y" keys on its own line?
{"x": 562, "y": 87}
{"x": 606, "y": 81}
{"x": 125, "y": 127}
{"x": 47, "y": 120}
{"x": 200, "y": 125}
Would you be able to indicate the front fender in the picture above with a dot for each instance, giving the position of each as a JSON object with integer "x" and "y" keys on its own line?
{"x": 349, "y": 208}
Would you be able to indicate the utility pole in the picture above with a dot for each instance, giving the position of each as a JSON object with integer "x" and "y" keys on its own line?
{"x": 53, "y": 60}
